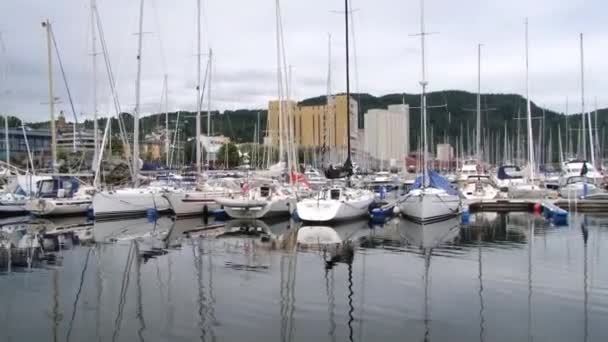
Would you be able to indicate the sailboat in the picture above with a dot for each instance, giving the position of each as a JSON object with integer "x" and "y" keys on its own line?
{"x": 60, "y": 196}
{"x": 529, "y": 189}
{"x": 131, "y": 201}
{"x": 338, "y": 202}
{"x": 431, "y": 198}
{"x": 17, "y": 193}
{"x": 259, "y": 201}
{"x": 479, "y": 185}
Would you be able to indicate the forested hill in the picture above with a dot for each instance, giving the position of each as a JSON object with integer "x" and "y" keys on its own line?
{"x": 449, "y": 112}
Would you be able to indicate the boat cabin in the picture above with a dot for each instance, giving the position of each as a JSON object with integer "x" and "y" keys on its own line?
{"x": 57, "y": 187}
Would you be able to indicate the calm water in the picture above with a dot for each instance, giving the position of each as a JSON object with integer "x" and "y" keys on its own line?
{"x": 501, "y": 278}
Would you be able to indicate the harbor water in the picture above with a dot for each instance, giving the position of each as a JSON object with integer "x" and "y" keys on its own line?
{"x": 501, "y": 277}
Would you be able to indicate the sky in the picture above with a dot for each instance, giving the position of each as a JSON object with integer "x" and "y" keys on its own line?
{"x": 385, "y": 54}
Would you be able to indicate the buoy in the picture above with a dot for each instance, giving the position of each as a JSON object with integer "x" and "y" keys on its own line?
{"x": 151, "y": 214}
{"x": 537, "y": 208}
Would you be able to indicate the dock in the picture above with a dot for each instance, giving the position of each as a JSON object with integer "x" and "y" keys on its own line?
{"x": 502, "y": 205}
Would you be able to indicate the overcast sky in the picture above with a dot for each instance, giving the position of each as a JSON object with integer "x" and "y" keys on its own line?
{"x": 242, "y": 36}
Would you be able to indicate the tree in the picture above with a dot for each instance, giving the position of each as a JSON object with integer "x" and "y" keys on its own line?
{"x": 229, "y": 154}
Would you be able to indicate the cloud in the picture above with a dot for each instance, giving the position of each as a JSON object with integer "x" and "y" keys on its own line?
{"x": 244, "y": 48}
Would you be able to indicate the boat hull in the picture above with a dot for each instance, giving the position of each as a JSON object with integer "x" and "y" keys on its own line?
{"x": 429, "y": 205}
{"x": 256, "y": 209}
{"x": 526, "y": 191}
{"x": 128, "y": 203}
{"x": 311, "y": 210}
{"x": 58, "y": 207}
{"x": 190, "y": 203}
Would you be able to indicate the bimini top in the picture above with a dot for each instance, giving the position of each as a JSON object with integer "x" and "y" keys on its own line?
{"x": 436, "y": 181}
{"x": 509, "y": 172}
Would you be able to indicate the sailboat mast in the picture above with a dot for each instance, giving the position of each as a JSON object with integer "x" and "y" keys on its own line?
{"x": 209, "y": 102}
{"x": 6, "y": 140}
{"x": 529, "y": 112}
{"x": 167, "y": 143}
{"x": 198, "y": 89}
{"x": 583, "y": 112}
{"x": 346, "y": 33}
{"x": 423, "y": 84}
{"x": 47, "y": 26}
{"x": 94, "y": 64}
{"x": 478, "y": 134}
{"x": 137, "y": 98}
{"x": 279, "y": 80}
{"x": 591, "y": 142}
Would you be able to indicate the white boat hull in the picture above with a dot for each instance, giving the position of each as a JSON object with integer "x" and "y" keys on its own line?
{"x": 487, "y": 192}
{"x": 191, "y": 203}
{"x": 256, "y": 209}
{"x": 58, "y": 207}
{"x": 577, "y": 190}
{"x": 128, "y": 203}
{"x": 429, "y": 205}
{"x": 312, "y": 210}
{"x": 527, "y": 191}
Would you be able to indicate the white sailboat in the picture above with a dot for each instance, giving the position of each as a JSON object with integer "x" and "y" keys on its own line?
{"x": 478, "y": 185}
{"x": 338, "y": 203}
{"x": 262, "y": 201}
{"x": 18, "y": 191}
{"x": 131, "y": 201}
{"x": 529, "y": 189}
{"x": 60, "y": 196}
{"x": 185, "y": 202}
{"x": 428, "y": 202}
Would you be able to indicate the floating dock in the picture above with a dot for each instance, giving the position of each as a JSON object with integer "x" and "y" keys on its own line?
{"x": 507, "y": 205}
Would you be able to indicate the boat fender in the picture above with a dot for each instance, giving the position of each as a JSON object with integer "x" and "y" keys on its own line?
{"x": 537, "y": 208}
{"x": 151, "y": 214}
{"x": 295, "y": 216}
{"x": 205, "y": 211}
{"x": 465, "y": 217}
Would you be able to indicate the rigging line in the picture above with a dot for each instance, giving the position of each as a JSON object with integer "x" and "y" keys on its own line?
{"x": 112, "y": 83}
{"x": 123, "y": 293}
{"x": 161, "y": 48}
{"x": 84, "y": 271}
{"x": 65, "y": 80}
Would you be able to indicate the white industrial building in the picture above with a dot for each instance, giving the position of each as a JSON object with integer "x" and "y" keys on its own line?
{"x": 387, "y": 134}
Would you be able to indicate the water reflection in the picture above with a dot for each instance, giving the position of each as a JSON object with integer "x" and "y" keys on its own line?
{"x": 242, "y": 280}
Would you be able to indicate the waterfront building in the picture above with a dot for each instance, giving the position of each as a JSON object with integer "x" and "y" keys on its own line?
{"x": 387, "y": 134}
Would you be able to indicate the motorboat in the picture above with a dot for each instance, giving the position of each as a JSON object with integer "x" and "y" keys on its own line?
{"x": 578, "y": 187}
{"x": 335, "y": 203}
{"x": 479, "y": 187}
{"x": 432, "y": 202}
{"x": 263, "y": 201}
{"x": 60, "y": 196}
{"x": 575, "y": 168}
{"x": 469, "y": 167}
{"x": 508, "y": 176}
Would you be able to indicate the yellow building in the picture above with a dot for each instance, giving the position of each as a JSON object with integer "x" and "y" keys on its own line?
{"x": 313, "y": 126}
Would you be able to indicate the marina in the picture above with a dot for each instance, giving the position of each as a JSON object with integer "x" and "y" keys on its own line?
{"x": 175, "y": 193}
